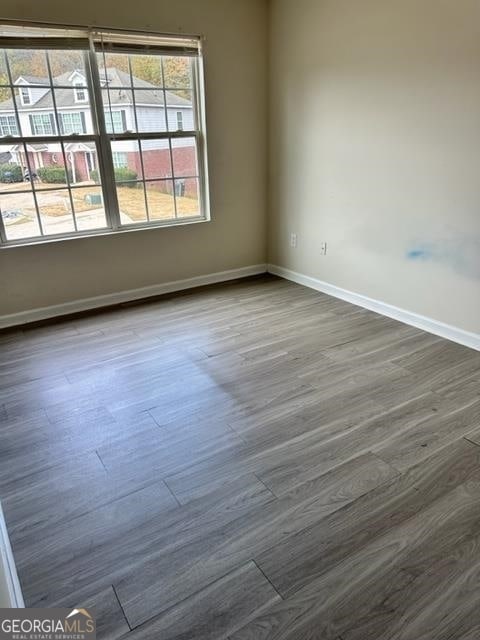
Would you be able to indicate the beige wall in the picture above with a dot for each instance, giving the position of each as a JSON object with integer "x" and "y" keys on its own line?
{"x": 375, "y": 149}
{"x": 235, "y": 50}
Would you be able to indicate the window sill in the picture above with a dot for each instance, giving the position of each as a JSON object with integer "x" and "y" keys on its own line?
{"x": 29, "y": 242}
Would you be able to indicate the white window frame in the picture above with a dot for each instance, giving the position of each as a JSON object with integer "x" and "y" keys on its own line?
{"x": 9, "y": 126}
{"x": 49, "y": 37}
{"x": 70, "y": 129}
{"x": 42, "y": 124}
{"x": 110, "y": 123}
{"x": 23, "y": 89}
{"x": 80, "y": 92}
{"x": 180, "y": 121}
{"x": 120, "y": 159}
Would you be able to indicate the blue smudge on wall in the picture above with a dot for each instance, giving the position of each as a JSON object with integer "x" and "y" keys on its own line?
{"x": 419, "y": 254}
{"x": 459, "y": 253}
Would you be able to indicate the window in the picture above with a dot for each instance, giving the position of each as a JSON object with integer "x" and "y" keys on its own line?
{"x": 119, "y": 160}
{"x": 133, "y": 156}
{"x": 72, "y": 123}
{"x": 42, "y": 124}
{"x": 25, "y": 95}
{"x": 115, "y": 121}
{"x": 8, "y": 126}
{"x": 80, "y": 92}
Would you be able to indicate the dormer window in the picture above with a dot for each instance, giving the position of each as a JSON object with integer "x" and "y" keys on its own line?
{"x": 25, "y": 95}
{"x": 80, "y": 92}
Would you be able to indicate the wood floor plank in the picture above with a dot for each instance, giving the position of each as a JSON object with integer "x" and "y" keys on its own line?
{"x": 215, "y": 611}
{"x": 410, "y": 446}
{"x": 440, "y": 603}
{"x": 109, "y": 619}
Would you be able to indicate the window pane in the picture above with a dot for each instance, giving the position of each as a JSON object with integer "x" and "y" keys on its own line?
{"x": 55, "y": 211}
{"x": 184, "y": 154}
{"x": 177, "y": 72}
{"x": 180, "y": 111}
{"x": 47, "y": 166}
{"x": 3, "y": 72}
{"x": 29, "y": 66}
{"x": 126, "y": 160}
{"x": 150, "y": 108}
{"x": 146, "y": 70}
{"x": 188, "y": 198}
{"x": 161, "y": 204}
{"x": 19, "y": 215}
{"x": 82, "y": 162}
{"x": 113, "y": 70}
{"x": 89, "y": 208}
{"x": 119, "y": 120}
{"x": 68, "y": 68}
{"x": 131, "y": 202}
{"x": 156, "y": 159}
{"x": 11, "y": 173}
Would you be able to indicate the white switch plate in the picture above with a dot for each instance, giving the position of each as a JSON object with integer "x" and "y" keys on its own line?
{"x": 293, "y": 240}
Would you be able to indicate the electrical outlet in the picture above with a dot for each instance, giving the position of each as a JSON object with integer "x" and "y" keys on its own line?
{"x": 293, "y": 240}
{"x": 323, "y": 249}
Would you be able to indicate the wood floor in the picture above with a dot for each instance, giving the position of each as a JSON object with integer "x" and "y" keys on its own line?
{"x": 251, "y": 461}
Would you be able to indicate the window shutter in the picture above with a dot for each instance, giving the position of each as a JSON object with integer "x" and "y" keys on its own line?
{"x": 30, "y": 117}
{"x": 124, "y": 120}
{"x": 52, "y": 122}
{"x": 83, "y": 126}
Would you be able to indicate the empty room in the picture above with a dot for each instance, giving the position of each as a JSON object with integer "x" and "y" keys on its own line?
{"x": 240, "y": 320}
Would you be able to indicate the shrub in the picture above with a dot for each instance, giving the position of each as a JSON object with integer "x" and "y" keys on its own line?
{"x": 11, "y": 172}
{"x": 53, "y": 174}
{"x": 122, "y": 174}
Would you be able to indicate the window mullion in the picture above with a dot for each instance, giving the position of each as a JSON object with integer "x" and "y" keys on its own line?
{"x": 167, "y": 126}
{"x": 105, "y": 160}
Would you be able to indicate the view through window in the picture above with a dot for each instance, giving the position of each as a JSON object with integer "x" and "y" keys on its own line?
{"x": 99, "y": 131}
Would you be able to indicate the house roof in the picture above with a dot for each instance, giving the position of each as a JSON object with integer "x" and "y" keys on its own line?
{"x": 35, "y": 80}
{"x": 116, "y": 90}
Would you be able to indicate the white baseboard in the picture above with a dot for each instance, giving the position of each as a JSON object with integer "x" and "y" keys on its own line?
{"x": 441, "y": 329}
{"x": 10, "y": 591}
{"x": 85, "y": 304}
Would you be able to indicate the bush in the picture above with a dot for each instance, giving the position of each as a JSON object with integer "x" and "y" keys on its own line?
{"x": 53, "y": 174}
{"x": 11, "y": 172}
{"x": 122, "y": 174}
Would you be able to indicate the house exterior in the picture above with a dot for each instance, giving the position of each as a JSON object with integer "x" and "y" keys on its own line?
{"x": 142, "y": 109}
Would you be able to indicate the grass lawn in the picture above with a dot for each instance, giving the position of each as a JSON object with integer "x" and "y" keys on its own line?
{"x": 160, "y": 205}
{"x": 131, "y": 202}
